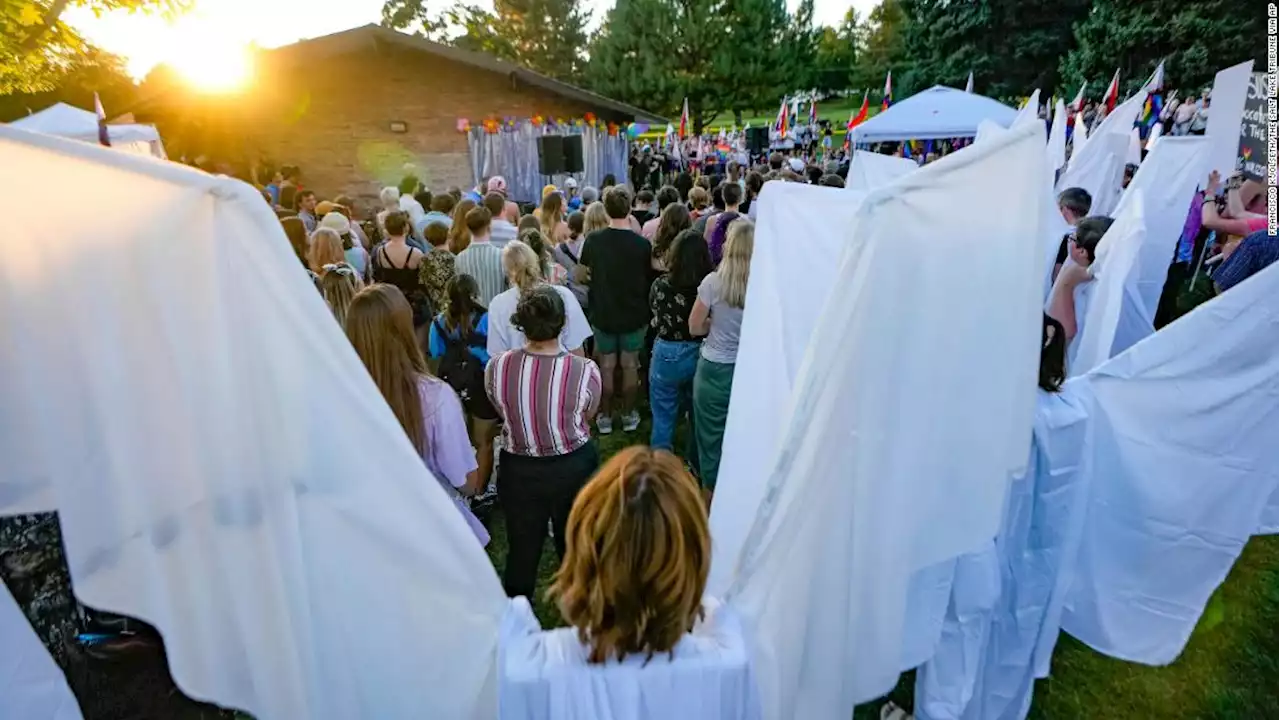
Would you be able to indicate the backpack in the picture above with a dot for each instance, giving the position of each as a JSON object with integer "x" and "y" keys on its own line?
{"x": 463, "y": 371}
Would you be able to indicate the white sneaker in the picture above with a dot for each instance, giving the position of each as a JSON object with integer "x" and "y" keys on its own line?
{"x": 604, "y": 424}
{"x": 630, "y": 421}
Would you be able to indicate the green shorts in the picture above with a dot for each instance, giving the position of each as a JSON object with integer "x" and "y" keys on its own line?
{"x": 612, "y": 343}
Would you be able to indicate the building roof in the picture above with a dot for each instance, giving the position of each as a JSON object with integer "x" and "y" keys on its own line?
{"x": 370, "y": 35}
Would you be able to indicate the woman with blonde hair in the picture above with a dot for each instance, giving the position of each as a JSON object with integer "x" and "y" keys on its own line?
{"x": 597, "y": 218}
{"x": 524, "y": 273}
{"x": 699, "y": 198}
{"x": 551, "y": 271}
{"x": 637, "y": 555}
{"x": 459, "y": 235}
{"x": 551, "y": 218}
{"x": 339, "y": 285}
{"x": 380, "y": 327}
{"x": 326, "y": 249}
{"x": 717, "y": 314}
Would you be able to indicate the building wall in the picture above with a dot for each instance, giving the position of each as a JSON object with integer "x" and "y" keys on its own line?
{"x": 332, "y": 118}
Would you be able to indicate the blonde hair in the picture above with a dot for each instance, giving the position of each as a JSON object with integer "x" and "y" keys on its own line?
{"x": 637, "y": 553}
{"x": 596, "y": 218}
{"x": 380, "y": 327}
{"x": 549, "y": 214}
{"x": 521, "y": 265}
{"x": 326, "y": 249}
{"x": 735, "y": 266}
{"x": 339, "y": 285}
{"x": 699, "y": 198}
{"x": 459, "y": 235}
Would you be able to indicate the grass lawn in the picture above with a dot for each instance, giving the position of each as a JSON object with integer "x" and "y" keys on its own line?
{"x": 1227, "y": 672}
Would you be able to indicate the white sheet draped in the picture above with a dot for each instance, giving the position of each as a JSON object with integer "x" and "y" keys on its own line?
{"x": 870, "y": 170}
{"x": 188, "y": 377}
{"x": 1057, "y": 146}
{"x": 876, "y": 477}
{"x": 1185, "y": 454}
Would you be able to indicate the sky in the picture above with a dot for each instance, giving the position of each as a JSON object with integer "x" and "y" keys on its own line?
{"x": 213, "y": 25}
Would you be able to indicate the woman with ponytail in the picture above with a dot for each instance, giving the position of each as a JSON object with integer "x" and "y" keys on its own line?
{"x": 524, "y": 272}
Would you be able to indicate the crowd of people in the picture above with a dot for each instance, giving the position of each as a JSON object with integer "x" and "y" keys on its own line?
{"x": 541, "y": 329}
{"x": 548, "y": 324}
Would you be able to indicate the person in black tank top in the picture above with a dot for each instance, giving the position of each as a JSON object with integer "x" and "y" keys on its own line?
{"x": 404, "y": 274}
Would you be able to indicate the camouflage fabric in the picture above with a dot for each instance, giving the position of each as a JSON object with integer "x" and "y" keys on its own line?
{"x": 34, "y": 568}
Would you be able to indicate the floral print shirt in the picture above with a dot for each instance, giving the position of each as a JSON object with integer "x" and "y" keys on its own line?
{"x": 671, "y": 307}
{"x": 435, "y": 272}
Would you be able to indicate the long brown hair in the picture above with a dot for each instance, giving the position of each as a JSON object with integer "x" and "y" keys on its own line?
{"x": 459, "y": 235}
{"x": 637, "y": 553}
{"x": 339, "y": 285}
{"x": 296, "y": 231}
{"x": 674, "y": 220}
{"x": 380, "y": 327}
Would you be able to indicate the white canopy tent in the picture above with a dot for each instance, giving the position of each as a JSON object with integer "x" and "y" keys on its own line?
{"x": 939, "y": 112}
{"x": 67, "y": 121}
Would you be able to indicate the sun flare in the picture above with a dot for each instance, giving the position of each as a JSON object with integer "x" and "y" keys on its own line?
{"x": 212, "y": 66}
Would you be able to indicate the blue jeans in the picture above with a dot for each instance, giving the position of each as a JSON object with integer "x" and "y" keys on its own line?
{"x": 671, "y": 369}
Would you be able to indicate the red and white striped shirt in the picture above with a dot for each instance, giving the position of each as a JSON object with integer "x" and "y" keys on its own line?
{"x": 546, "y": 401}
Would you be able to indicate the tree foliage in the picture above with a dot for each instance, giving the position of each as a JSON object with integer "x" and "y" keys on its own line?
{"x": 1011, "y": 46}
{"x": 881, "y": 41}
{"x": 39, "y": 51}
{"x": 1195, "y": 39}
{"x": 837, "y": 54}
{"x": 546, "y": 36}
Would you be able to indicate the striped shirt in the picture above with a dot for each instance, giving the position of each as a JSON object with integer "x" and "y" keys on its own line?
{"x": 483, "y": 262}
{"x": 545, "y": 401}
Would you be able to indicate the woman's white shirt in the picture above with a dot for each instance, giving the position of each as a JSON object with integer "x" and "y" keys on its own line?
{"x": 503, "y": 336}
{"x": 544, "y": 675}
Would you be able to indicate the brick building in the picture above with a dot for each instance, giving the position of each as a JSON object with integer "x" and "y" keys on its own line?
{"x": 352, "y": 108}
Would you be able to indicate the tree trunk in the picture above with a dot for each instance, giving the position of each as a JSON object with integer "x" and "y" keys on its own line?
{"x": 737, "y": 118}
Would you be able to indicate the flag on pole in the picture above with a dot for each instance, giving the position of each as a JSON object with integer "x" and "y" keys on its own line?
{"x": 782, "y": 123}
{"x": 968, "y": 87}
{"x": 888, "y": 91}
{"x": 855, "y": 120}
{"x": 103, "y": 137}
{"x": 1113, "y": 92}
{"x": 1078, "y": 104}
{"x": 813, "y": 112}
{"x": 684, "y": 120}
{"x": 1155, "y": 83}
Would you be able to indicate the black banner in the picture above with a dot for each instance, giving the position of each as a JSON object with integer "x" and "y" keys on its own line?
{"x": 1252, "y": 160}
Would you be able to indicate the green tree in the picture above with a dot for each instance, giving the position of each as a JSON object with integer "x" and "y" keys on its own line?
{"x": 38, "y": 49}
{"x": 1195, "y": 39}
{"x": 837, "y": 54}
{"x": 880, "y": 39}
{"x": 800, "y": 48}
{"x": 754, "y": 55}
{"x": 655, "y": 53}
{"x": 1011, "y": 46}
{"x": 95, "y": 71}
{"x": 543, "y": 35}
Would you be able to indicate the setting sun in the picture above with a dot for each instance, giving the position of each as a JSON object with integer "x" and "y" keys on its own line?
{"x": 211, "y": 65}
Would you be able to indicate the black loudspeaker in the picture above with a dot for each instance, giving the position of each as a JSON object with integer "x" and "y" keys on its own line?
{"x": 573, "y": 153}
{"x": 551, "y": 154}
{"x": 757, "y": 140}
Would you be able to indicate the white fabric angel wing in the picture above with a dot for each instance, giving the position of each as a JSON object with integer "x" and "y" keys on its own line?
{"x": 223, "y": 465}
{"x": 877, "y": 477}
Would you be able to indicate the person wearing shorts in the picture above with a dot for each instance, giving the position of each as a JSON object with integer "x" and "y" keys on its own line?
{"x": 615, "y": 267}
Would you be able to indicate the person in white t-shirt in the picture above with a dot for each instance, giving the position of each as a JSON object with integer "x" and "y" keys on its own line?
{"x": 524, "y": 272}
